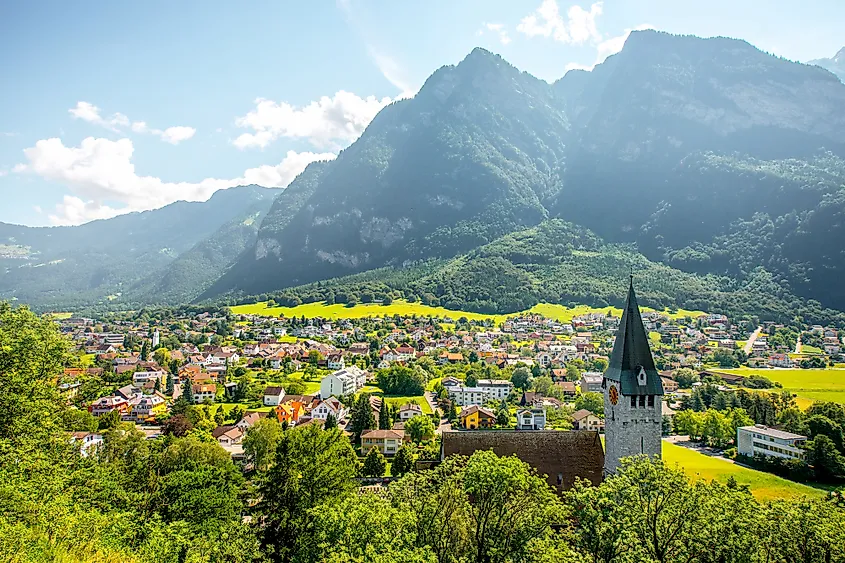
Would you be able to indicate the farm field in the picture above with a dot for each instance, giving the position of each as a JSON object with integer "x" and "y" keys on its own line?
{"x": 808, "y": 384}
{"x": 338, "y": 311}
{"x": 764, "y": 486}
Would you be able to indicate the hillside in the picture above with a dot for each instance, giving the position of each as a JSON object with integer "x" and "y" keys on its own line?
{"x": 710, "y": 155}
{"x": 60, "y": 267}
{"x": 558, "y": 262}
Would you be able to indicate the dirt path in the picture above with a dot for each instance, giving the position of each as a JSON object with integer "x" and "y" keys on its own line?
{"x": 751, "y": 339}
{"x": 798, "y": 345}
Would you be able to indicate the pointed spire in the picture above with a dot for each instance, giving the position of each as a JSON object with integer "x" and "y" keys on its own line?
{"x": 632, "y": 353}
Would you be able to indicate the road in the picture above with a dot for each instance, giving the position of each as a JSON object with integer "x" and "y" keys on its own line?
{"x": 444, "y": 424}
{"x": 751, "y": 339}
{"x": 798, "y": 345}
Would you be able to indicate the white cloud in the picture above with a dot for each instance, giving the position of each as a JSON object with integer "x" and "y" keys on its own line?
{"x": 326, "y": 123}
{"x": 497, "y": 28}
{"x": 89, "y": 112}
{"x": 393, "y": 72}
{"x": 579, "y": 25}
{"x": 175, "y": 135}
{"x": 103, "y": 181}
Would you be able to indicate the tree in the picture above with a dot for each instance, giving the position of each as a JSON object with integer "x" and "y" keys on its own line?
{"x": 177, "y": 425}
{"x": 471, "y": 380}
{"x": 593, "y": 402}
{"x": 686, "y": 377}
{"x": 361, "y": 417}
{"x": 509, "y": 506}
{"x": 573, "y": 373}
{"x": 473, "y": 356}
{"x": 331, "y": 422}
{"x": 521, "y": 378}
{"x": 162, "y": 356}
{"x": 385, "y": 421}
{"x": 312, "y": 467}
{"x": 145, "y": 350}
{"x": 261, "y": 441}
{"x": 403, "y": 461}
{"x": 503, "y": 417}
{"x": 827, "y": 462}
{"x": 374, "y": 464}
{"x": 453, "y": 412}
{"x": 188, "y": 391}
{"x": 817, "y": 424}
{"x": 402, "y": 380}
{"x": 543, "y": 385}
{"x": 420, "y": 428}
{"x": 109, "y": 420}
{"x": 168, "y": 389}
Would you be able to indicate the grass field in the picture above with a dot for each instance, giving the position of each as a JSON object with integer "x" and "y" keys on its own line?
{"x": 809, "y": 384}
{"x": 420, "y": 400}
{"x": 764, "y": 486}
{"x": 338, "y": 311}
{"x": 59, "y": 315}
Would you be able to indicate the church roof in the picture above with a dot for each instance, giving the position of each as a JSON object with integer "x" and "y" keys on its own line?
{"x": 631, "y": 353}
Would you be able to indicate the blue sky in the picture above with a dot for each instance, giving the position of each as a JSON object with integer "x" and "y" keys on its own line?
{"x": 111, "y": 107}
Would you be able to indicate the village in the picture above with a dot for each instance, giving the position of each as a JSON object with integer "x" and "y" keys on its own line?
{"x": 223, "y": 373}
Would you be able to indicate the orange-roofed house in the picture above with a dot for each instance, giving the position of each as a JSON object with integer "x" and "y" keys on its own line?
{"x": 290, "y": 412}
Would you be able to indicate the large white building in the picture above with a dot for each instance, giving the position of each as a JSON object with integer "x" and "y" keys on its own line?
{"x": 485, "y": 390}
{"x": 765, "y": 441}
{"x": 343, "y": 382}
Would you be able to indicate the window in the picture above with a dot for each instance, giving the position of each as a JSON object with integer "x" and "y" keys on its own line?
{"x": 651, "y": 400}
{"x": 633, "y": 401}
{"x": 642, "y": 400}
{"x": 560, "y": 478}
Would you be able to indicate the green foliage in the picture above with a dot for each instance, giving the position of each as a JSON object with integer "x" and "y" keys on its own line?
{"x": 261, "y": 441}
{"x": 420, "y": 428}
{"x": 374, "y": 464}
{"x": 403, "y": 461}
{"x": 402, "y": 380}
{"x": 593, "y": 402}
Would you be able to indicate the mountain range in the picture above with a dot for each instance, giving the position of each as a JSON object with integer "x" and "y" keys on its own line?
{"x": 712, "y": 165}
{"x": 836, "y": 64}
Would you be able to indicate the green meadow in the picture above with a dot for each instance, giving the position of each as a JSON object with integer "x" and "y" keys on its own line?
{"x": 808, "y": 384}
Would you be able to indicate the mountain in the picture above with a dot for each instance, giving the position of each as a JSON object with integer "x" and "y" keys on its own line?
{"x": 836, "y": 65}
{"x": 59, "y": 267}
{"x": 708, "y": 154}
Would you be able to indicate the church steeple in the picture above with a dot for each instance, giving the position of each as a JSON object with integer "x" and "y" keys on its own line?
{"x": 633, "y": 406}
{"x": 631, "y": 363}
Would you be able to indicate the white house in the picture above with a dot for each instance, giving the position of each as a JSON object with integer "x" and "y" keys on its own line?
{"x": 335, "y": 361}
{"x": 273, "y": 396}
{"x": 203, "y": 392}
{"x": 140, "y": 378}
{"x": 765, "y": 441}
{"x": 409, "y": 411}
{"x": 87, "y": 441}
{"x": 531, "y": 419}
{"x": 329, "y": 406}
{"x": 343, "y": 382}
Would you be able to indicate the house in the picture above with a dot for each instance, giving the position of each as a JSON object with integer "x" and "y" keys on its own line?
{"x": 343, "y": 382}
{"x": 450, "y": 358}
{"x": 586, "y": 420}
{"x": 248, "y": 421}
{"x": 148, "y": 408}
{"x": 141, "y": 378}
{"x": 290, "y": 412}
{"x": 87, "y": 441}
{"x": 473, "y": 416}
{"x": 359, "y": 349}
{"x": 567, "y": 388}
{"x": 105, "y": 405}
{"x": 228, "y": 435}
{"x": 273, "y": 396}
{"x": 386, "y": 441}
{"x": 400, "y": 354}
{"x": 203, "y": 392}
{"x": 591, "y": 382}
{"x": 531, "y": 419}
{"x": 409, "y": 411}
{"x": 760, "y": 440}
{"x": 669, "y": 385}
{"x": 329, "y": 406}
{"x": 780, "y": 361}
{"x": 335, "y": 362}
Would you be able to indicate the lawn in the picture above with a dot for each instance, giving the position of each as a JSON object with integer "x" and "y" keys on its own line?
{"x": 808, "y": 384}
{"x": 420, "y": 400}
{"x": 59, "y": 316}
{"x": 401, "y": 307}
{"x": 311, "y": 387}
{"x": 764, "y": 486}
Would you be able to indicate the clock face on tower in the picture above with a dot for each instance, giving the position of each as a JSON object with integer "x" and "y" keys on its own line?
{"x": 613, "y": 395}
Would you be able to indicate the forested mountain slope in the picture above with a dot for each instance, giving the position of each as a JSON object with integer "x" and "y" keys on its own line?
{"x": 66, "y": 266}
{"x": 836, "y": 64}
{"x": 709, "y": 154}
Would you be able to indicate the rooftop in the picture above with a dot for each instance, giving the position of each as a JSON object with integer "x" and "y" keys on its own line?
{"x": 773, "y": 432}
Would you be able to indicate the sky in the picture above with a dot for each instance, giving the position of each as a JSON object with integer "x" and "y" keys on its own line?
{"x": 113, "y": 107}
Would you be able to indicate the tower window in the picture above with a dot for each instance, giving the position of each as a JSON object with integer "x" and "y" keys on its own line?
{"x": 633, "y": 401}
{"x": 560, "y": 478}
{"x": 651, "y": 400}
{"x": 642, "y": 400}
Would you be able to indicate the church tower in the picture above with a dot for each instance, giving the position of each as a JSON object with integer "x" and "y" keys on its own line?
{"x": 633, "y": 392}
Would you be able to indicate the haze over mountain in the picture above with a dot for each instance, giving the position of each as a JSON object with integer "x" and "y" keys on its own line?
{"x": 836, "y": 64}
{"x": 166, "y": 254}
{"x": 711, "y": 155}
